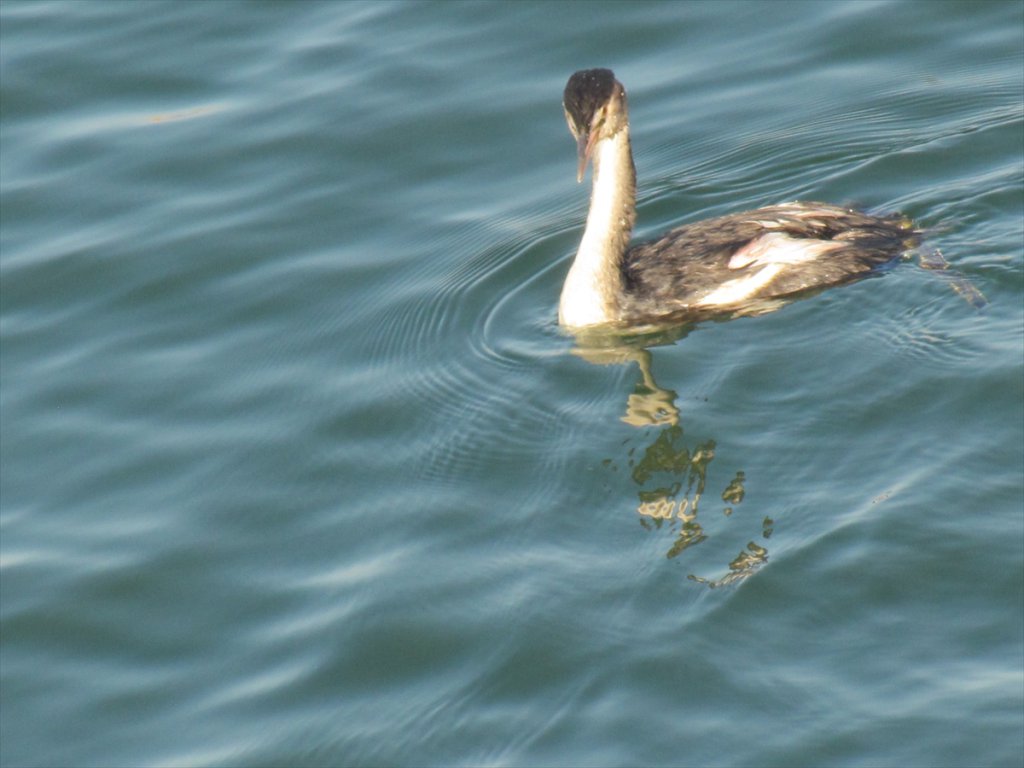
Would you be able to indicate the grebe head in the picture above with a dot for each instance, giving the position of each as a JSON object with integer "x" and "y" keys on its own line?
{"x": 595, "y": 108}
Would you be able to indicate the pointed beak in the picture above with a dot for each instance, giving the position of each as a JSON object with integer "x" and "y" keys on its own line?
{"x": 584, "y": 149}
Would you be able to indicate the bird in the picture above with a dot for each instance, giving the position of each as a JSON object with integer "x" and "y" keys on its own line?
{"x": 739, "y": 263}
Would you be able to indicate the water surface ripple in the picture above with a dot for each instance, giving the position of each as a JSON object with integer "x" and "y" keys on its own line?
{"x": 297, "y": 468}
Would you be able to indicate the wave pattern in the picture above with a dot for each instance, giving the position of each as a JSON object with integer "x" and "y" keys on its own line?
{"x": 482, "y": 336}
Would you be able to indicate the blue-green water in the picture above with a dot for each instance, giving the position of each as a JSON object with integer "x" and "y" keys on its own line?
{"x": 298, "y": 469}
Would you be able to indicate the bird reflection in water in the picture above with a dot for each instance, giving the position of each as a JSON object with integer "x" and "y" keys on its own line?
{"x": 671, "y": 477}
{"x": 678, "y": 473}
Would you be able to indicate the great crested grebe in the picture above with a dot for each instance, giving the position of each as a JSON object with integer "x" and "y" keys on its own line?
{"x": 719, "y": 265}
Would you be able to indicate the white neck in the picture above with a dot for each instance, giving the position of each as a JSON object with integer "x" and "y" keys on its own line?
{"x": 591, "y": 289}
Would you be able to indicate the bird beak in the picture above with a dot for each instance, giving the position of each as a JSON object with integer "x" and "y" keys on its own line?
{"x": 584, "y": 149}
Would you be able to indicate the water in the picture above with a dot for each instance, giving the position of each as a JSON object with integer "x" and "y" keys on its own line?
{"x": 297, "y": 468}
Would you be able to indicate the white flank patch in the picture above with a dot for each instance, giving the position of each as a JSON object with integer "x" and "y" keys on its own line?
{"x": 735, "y": 291}
{"x": 779, "y": 248}
{"x": 769, "y": 254}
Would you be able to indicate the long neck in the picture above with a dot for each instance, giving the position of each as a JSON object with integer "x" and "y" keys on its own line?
{"x": 591, "y": 290}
